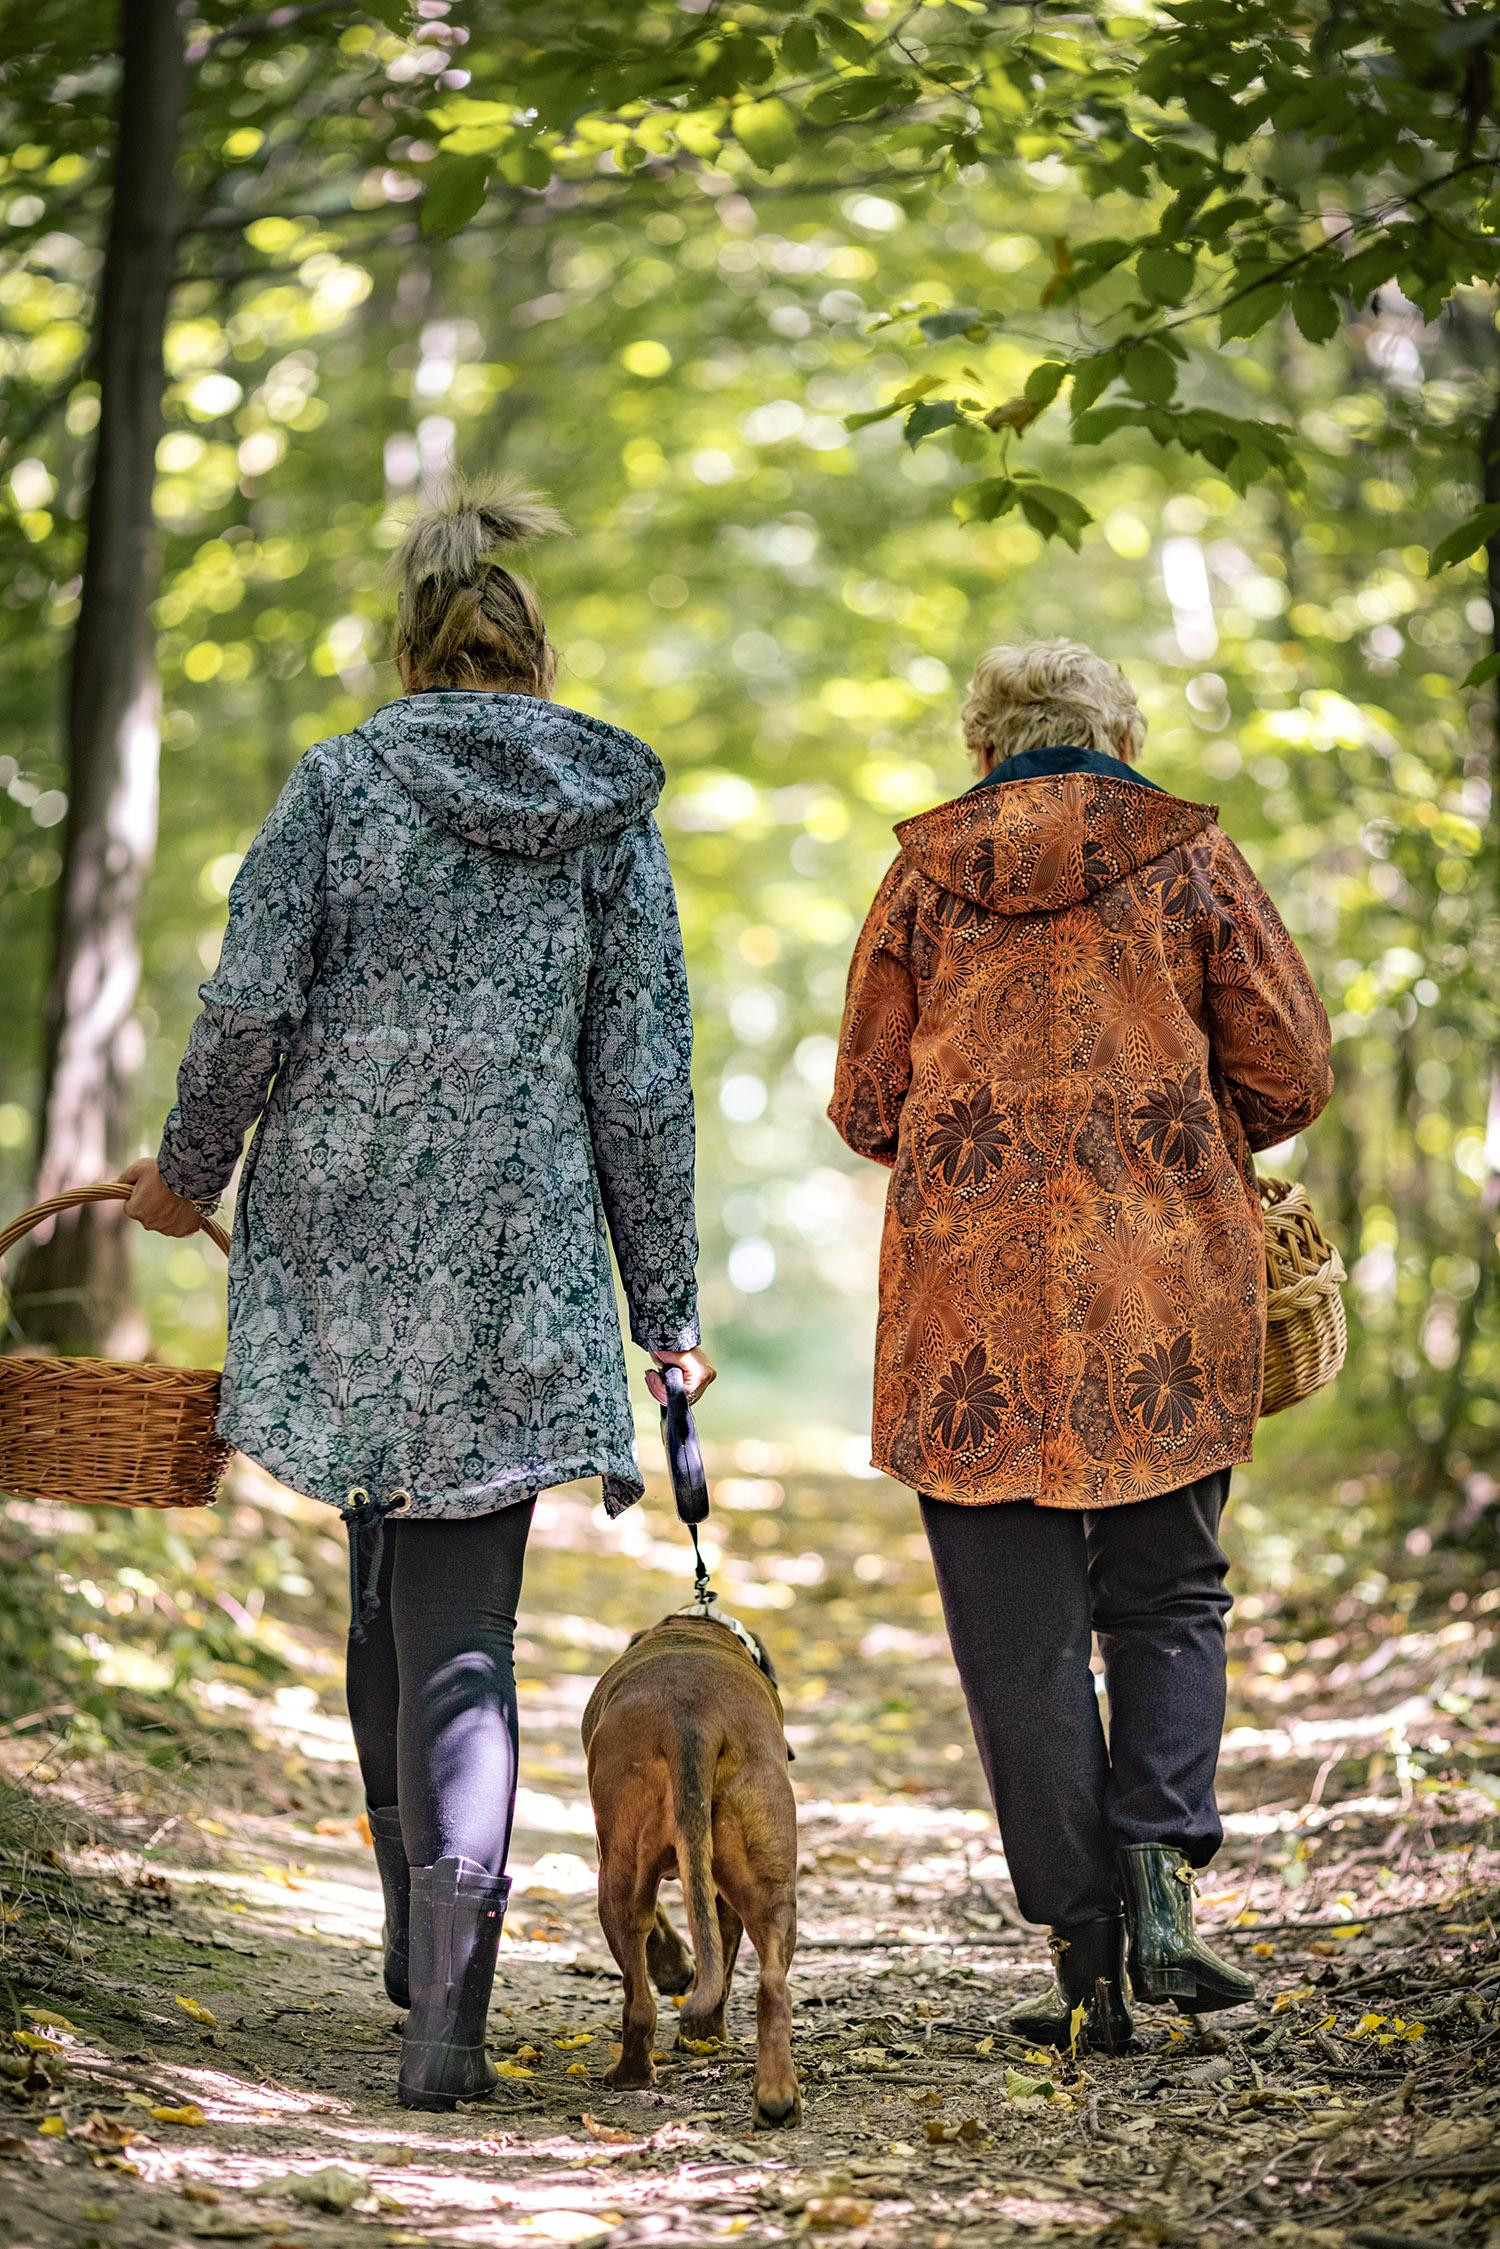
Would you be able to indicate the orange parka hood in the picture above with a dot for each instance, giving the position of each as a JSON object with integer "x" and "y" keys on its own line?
{"x": 1038, "y": 846}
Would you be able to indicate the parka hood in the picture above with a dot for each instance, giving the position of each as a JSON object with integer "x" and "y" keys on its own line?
{"x": 1037, "y": 846}
{"x": 514, "y": 772}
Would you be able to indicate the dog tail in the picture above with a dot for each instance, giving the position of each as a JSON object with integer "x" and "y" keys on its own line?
{"x": 692, "y": 1787}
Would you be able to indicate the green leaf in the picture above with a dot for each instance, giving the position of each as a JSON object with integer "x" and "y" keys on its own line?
{"x": 766, "y": 131}
{"x": 962, "y": 320}
{"x": 843, "y": 38}
{"x": 1045, "y": 381}
{"x": 1151, "y": 373}
{"x": 1487, "y": 668}
{"x": 700, "y": 132}
{"x": 982, "y": 503}
{"x": 929, "y": 415}
{"x": 1317, "y": 312}
{"x": 1473, "y": 533}
{"x": 799, "y": 47}
{"x": 525, "y": 163}
{"x": 872, "y": 414}
{"x": 1102, "y": 421}
{"x": 1092, "y": 377}
{"x": 854, "y": 97}
{"x": 1056, "y": 514}
{"x": 455, "y": 190}
{"x": 1249, "y": 313}
{"x": 1166, "y": 275}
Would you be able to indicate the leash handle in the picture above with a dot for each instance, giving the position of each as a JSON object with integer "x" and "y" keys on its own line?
{"x": 684, "y": 1455}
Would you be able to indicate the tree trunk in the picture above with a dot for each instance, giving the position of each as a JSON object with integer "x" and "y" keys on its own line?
{"x": 73, "y": 1289}
{"x": 1455, "y": 1400}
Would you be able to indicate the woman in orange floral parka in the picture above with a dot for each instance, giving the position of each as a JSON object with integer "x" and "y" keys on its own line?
{"x": 1073, "y": 1013}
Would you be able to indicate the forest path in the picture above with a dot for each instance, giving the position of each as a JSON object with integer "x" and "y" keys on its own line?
{"x": 1358, "y": 2104}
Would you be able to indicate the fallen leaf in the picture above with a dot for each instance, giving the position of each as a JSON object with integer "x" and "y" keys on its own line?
{"x": 194, "y": 2190}
{"x": 573, "y": 2040}
{"x": 1020, "y": 2088}
{"x": 827, "y": 2213}
{"x": 52, "y": 2127}
{"x": 513, "y": 2069}
{"x": 34, "y": 2042}
{"x": 576, "y": 2069}
{"x": 50, "y": 2021}
{"x": 189, "y": 2113}
{"x": 598, "y": 2131}
{"x": 197, "y": 2010}
{"x": 578, "y": 2229}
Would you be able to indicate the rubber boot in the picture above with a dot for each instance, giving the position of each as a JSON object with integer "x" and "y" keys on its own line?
{"x": 1168, "y": 1959}
{"x": 395, "y": 1883}
{"x": 1088, "y": 1970}
{"x": 457, "y": 1908}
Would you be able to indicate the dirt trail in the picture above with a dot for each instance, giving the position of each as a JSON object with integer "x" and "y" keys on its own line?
{"x": 202, "y": 2052}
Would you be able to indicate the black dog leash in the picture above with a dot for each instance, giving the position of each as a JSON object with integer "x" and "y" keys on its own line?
{"x": 685, "y": 1466}
{"x": 364, "y": 1518}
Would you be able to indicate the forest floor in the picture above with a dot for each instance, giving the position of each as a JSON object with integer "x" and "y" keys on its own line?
{"x": 201, "y": 2051}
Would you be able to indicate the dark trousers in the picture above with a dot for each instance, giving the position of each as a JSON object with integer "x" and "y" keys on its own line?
{"x": 432, "y": 1685}
{"x": 1024, "y": 1591}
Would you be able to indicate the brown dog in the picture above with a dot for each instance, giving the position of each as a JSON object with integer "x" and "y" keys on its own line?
{"x": 687, "y": 1770}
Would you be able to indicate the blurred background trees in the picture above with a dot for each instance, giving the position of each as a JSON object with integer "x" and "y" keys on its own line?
{"x": 850, "y": 340}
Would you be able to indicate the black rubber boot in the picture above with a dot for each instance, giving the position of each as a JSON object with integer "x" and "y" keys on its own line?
{"x": 1168, "y": 1959}
{"x": 395, "y": 1882}
{"x": 1088, "y": 1970}
{"x": 456, "y": 1912}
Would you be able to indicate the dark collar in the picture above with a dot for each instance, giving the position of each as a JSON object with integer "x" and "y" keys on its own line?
{"x": 1067, "y": 757}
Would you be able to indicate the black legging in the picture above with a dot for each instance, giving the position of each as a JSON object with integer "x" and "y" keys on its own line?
{"x": 432, "y": 1685}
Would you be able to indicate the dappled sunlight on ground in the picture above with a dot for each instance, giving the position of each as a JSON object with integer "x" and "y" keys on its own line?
{"x": 213, "y": 2056}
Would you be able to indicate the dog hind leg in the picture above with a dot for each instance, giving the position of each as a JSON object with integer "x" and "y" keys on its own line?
{"x": 627, "y": 1913}
{"x": 773, "y": 1932}
{"x": 667, "y": 1957}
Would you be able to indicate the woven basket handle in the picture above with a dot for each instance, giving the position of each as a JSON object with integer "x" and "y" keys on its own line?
{"x": 108, "y": 1191}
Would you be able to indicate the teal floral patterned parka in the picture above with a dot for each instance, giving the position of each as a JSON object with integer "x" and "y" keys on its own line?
{"x": 452, "y": 992}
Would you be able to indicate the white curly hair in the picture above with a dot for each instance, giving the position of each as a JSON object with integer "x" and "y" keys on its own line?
{"x": 1049, "y": 692}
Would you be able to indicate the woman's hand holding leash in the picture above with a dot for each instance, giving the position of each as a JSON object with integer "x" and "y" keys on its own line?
{"x": 697, "y": 1368}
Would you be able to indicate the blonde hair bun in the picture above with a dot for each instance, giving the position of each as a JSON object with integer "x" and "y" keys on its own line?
{"x": 457, "y": 536}
{"x": 464, "y": 619}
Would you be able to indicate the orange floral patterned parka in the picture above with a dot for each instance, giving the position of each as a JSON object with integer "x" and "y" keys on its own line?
{"x": 1072, "y": 1014}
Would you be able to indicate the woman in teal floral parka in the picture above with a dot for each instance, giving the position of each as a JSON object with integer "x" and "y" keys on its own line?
{"x": 451, "y": 996}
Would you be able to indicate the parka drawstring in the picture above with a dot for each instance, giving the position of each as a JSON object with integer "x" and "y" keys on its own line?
{"x": 365, "y": 1520}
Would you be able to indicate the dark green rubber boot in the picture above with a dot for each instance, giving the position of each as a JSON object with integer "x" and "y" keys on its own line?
{"x": 456, "y": 1912}
{"x": 395, "y": 1883}
{"x": 1168, "y": 1958}
{"x": 1088, "y": 1969}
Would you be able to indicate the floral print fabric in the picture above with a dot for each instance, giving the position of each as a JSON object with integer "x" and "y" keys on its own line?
{"x": 1072, "y": 1014}
{"x": 452, "y": 991}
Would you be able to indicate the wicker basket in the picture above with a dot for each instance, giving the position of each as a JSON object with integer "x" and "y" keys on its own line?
{"x": 1306, "y": 1337}
{"x": 107, "y": 1432}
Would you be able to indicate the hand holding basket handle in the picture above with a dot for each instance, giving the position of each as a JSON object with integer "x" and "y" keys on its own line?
{"x": 105, "y": 1432}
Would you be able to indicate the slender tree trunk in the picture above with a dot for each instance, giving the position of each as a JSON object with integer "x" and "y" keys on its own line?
{"x": 73, "y": 1290}
{"x": 1452, "y": 1411}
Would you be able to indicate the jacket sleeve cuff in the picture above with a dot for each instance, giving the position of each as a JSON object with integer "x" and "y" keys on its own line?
{"x": 656, "y": 1338}
{"x": 195, "y": 1185}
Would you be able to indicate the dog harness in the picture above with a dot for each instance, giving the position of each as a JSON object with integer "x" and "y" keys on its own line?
{"x": 707, "y": 1607}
